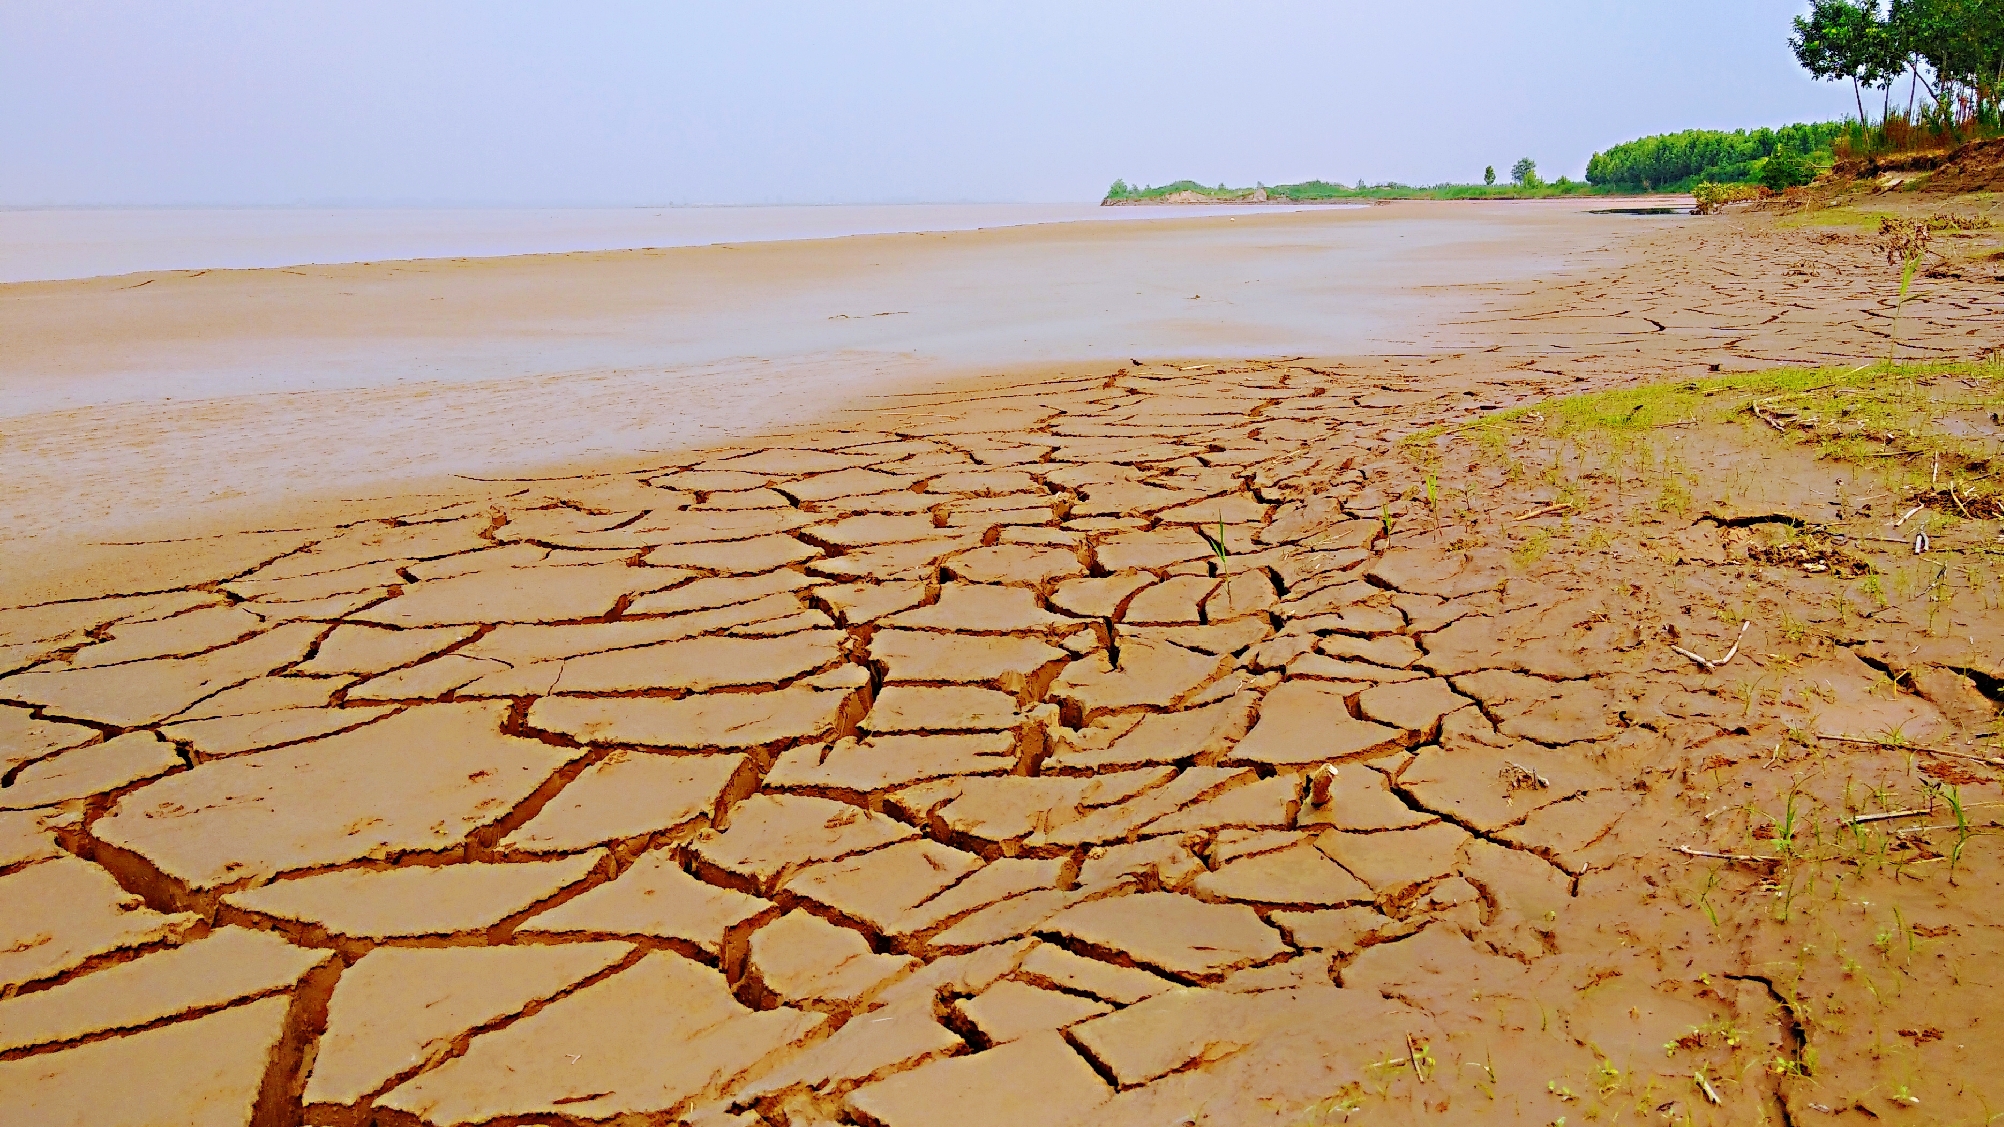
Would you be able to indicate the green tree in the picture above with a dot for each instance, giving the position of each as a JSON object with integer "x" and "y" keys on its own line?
{"x": 1525, "y": 172}
{"x": 1671, "y": 161}
{"x": 1954, "y": 48}
{"x": 1489, "y": 175}
{"x": 1847, "y": 39}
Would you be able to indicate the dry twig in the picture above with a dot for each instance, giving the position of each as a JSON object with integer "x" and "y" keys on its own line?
{"x": 1987, "y": 760}
{"x": 1764, "y": 417}
{"x": 1412, "y": 1055}
{"x": 1548, "y": 510}
{"x": 1737, "y": 858}
{"x": 1709, "y": 663}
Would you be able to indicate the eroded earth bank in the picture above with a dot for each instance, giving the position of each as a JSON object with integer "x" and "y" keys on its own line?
{"x": 969, "y": 760}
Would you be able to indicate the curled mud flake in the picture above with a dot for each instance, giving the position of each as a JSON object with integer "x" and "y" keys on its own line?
{"x": 1319, "y": 782}
{"x": 85, "y": 771}
{"x": 1020, "y": 665}
{"x": 209, "y": 1070}
{"x": 27, "y": 836}
{"x": 345, "y": 798}
{"x": 1150, "y": 675}
{"x": 146, "y": 692}
{"x": 880, "y": 1043}
{"x": 724, "y": 721}
{"x": 1295, "y": 877}
{"x": 401, "y": 1009}
{"x": 1308, "y": 722}
{"x": 882, "y": 887}
{"x": 910, "y": 708}
{"x": 1175, "y": 935}
{"x": 802, "y": 960}
{"x": 1009, "y": 1010}
{"x": 1038, "y": 1077}
{"x": 230, "y": 965}
{"x": 1394, "y": 860}
{"x": 654, "y": 898}
{"x": 851, "y": 769}
{"x": 59, "y": 915}
{"x": 547, "y": 593}
{"x": 1360, "y": 800}
{"x": 694, "y": 665}
{"x": 773, "y": 835}
{"x": 414, "y": 901}
{"x": 596, "y": 1053}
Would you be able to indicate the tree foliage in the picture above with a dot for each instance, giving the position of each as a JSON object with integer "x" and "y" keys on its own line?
{"x": 1525, "y": 172}
{"x": 1954, "y": 49}
{"x": 1675, "y": 161}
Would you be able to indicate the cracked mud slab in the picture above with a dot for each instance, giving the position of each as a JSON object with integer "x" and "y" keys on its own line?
{"x": 1128, "y": 745}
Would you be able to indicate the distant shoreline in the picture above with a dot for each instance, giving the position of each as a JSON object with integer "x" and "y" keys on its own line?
{"x": 1183, "y": 199}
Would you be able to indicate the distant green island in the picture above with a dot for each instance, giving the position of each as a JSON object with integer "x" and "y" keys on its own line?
{"x": 1665, "y": 162}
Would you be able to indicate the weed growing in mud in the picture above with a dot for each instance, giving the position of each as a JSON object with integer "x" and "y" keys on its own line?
{"x": 1332, "y": 1109}
{"x": 1953, "y": 796}
{"x": 1675, "y": 497}
{"x": 1873, "y": 590}
{"x": 1905, "y": 247}
{"x": 1534, "y": 549}
{"x": 1792, "y": 628}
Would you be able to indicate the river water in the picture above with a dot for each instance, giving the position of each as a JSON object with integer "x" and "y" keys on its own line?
{"x": 47, "y": 244}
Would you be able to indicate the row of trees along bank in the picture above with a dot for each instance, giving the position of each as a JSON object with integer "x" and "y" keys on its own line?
{"x": 1950, "y": 51}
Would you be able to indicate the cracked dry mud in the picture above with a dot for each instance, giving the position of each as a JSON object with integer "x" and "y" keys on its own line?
{"x": 952, "y": 763}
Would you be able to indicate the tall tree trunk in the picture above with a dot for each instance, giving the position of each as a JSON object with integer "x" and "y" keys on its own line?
{"x": 1859, "y": 93}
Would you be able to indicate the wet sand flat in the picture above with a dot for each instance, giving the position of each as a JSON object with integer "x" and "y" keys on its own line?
{"x": 1087, "y": 742}
{"x": 196, "y": 392}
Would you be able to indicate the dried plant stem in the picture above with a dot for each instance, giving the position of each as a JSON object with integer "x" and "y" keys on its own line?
{"x": 1709, "y": 663}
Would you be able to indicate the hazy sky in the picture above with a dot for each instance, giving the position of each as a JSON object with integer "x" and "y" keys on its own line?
{"x": 364, "y": 102}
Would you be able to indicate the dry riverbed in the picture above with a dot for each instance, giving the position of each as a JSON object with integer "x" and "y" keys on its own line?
{"x": 1289, "y": 742}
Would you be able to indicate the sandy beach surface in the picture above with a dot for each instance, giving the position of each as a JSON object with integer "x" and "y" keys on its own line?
{"x": 1185, "y": 672}
{"x": 203, "y": 392}
{"x": 51, "y": 244}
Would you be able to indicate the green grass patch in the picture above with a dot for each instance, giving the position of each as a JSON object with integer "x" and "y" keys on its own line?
{"x": 1871, "y": 398}
{"x": 1928, "y": 428}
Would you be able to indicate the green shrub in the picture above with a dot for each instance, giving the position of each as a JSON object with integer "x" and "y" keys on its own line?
{"x": 1785, "y": 170}
{"x": 1712, "y": 197}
